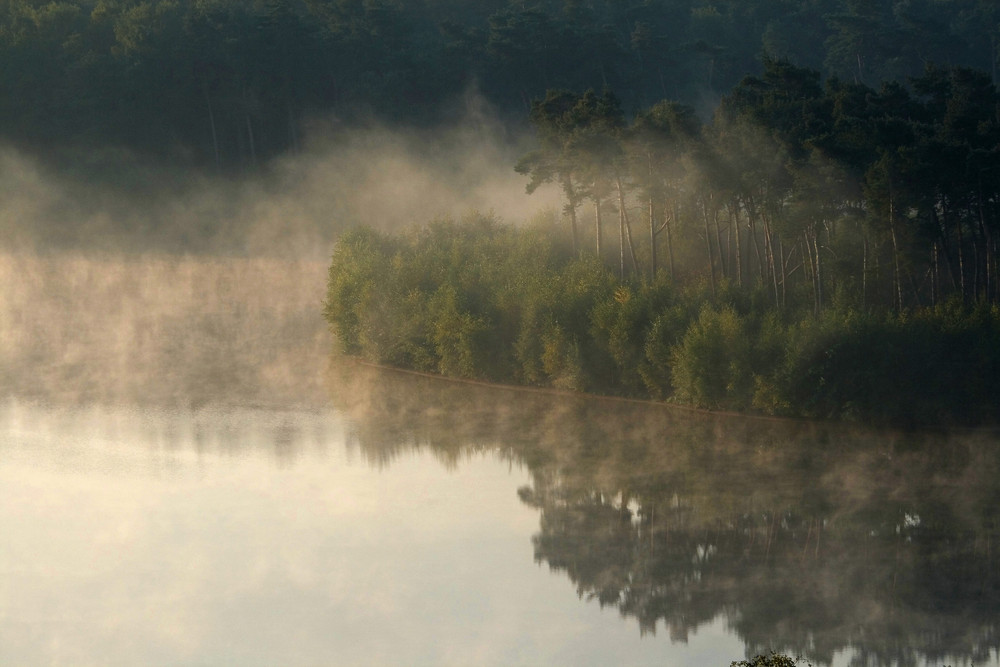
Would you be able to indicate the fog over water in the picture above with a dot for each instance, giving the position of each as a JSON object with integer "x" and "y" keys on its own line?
{"x": 176, "y": 487}
{"x": 127, "y": 280}
{"x": 187, "y": 476}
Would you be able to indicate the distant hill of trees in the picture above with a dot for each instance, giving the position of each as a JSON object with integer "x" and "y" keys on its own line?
{"x": 230, "y": 82}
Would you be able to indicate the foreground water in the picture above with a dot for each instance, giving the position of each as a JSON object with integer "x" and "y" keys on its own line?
{"x": 185, "y": 480}
{"x": 250, "y": 537}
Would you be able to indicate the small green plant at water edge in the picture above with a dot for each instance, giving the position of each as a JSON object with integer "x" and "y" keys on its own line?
{"x": 770, "y": 660}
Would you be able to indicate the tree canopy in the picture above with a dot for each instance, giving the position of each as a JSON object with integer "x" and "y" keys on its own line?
{"x": 230, "y": 82}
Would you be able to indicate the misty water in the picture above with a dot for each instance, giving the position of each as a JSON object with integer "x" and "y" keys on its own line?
{"x": 187, "y": 476}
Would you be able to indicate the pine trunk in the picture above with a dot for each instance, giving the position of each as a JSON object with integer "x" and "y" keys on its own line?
{"x": 598, "y": 225}
{"x": 652, "y": 241}
{"x": 708, "y": 245}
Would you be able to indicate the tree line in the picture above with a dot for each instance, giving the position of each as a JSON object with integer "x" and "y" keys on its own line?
{"x": 819, "y": 248}
{"x": 231, "y": 82}
{"x": 484, "y": 300}
{"x": 819, "y": 192}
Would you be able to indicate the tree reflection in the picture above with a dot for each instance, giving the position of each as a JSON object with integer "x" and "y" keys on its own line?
{"x": 809, "y": 539}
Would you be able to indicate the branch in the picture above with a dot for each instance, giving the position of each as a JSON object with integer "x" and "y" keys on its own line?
{"x": 666, "y": 222}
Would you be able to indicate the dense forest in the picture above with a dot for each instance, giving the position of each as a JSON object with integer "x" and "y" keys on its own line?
{"x": 819, "y": 248}
{"x": 885, "y": 198}
{"x": 483, "y": 300}
{"x": 234, "y": 82}
{"x": 777, "y": 205}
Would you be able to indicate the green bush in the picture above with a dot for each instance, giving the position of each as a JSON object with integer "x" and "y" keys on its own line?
{"x": 932, "y": 367}
{"x": 711, "y": 364}
{"x": 665, "y": 333}
{"x": 359, "y": 260}
{"x": 459, "y": 337}
{"x": 770, "y": 660}
{"x": 621, "y": 324}
{"x": 561, "y": 360}
{"x": 770, "y": 350}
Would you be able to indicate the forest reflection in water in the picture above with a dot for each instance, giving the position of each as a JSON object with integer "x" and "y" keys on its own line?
{"x": 809, "y": 539}
{"x": 815, "y": 540}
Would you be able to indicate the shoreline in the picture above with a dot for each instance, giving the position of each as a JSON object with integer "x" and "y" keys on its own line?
{"x": 688, "y": 409}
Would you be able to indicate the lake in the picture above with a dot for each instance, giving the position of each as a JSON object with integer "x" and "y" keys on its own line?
{"x": 188, "y": 477}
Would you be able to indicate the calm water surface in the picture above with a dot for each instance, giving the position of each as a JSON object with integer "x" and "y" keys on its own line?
{"x": 259, "y": 537}
{"x": 184, "y": 480}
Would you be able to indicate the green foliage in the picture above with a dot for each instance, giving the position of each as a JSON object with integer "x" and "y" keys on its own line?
{"x": 664, "y": 334}
{"x": 931, "y": 367}
{"x": 228, "y": 82}
{"x": 468, "y": 299}
{"x": 459, "y": 337}
{"x": 360, "y": 258}
{"x": 770, "y": 342}
{"x": 769, "y": 660}
{"x": 560, "y": 359}
{"x": 621, "y": 325}
{"x": 479, "y": 299}
{"x": 711, "y": 364}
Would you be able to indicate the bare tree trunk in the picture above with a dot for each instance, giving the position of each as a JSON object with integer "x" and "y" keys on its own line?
{"x": 897, "y": 279}
{"x": 631, "y": 246}
{"x": 730, "y": 228}
{"x": 987, "y": 243}
{"x": 572, "y": 225}
{"x": 935, "y": 274}
{"x": 941, "y": 225}
{"x": 708, "y": 244}
{"x": 961, "y": 258}
{"x": 567, "y": 184}
{"x": 784, "y": 274}
{"x": 819, "y": 274}
{"x": 977, "y": 272}
{"x": 670, "y": 241}
{"x": 652, "y": 241}
{"x": 718, "y": 238}
{"x": 769, "y": 253}
{"x": 739, "y": 247}
{"x": 621, "y": 241}
{"x": 990, "y": 265}
{"x": 761, "y": 264}
{"x": 812, "y": 270}
{"x": 752, "y": 226}
{"x": 864, "y": 273}
{"x": 877, "y": 278}
{"x": 625, "y": 229}
{"x": 598, "y": 223}
{"x": 652, "y": 219}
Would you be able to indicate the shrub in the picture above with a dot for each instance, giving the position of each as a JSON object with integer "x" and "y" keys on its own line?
{"x": 620, "y": 325}
{"x": 711, "y": 363}
{"x": 931, "y": 367}
{"x": 770, "y": 660}
{"x": 359, "y": 261}
{"x": 459, "y": 337}
{"x": 561, "y": 360}
{"x": 665, "y": 333}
